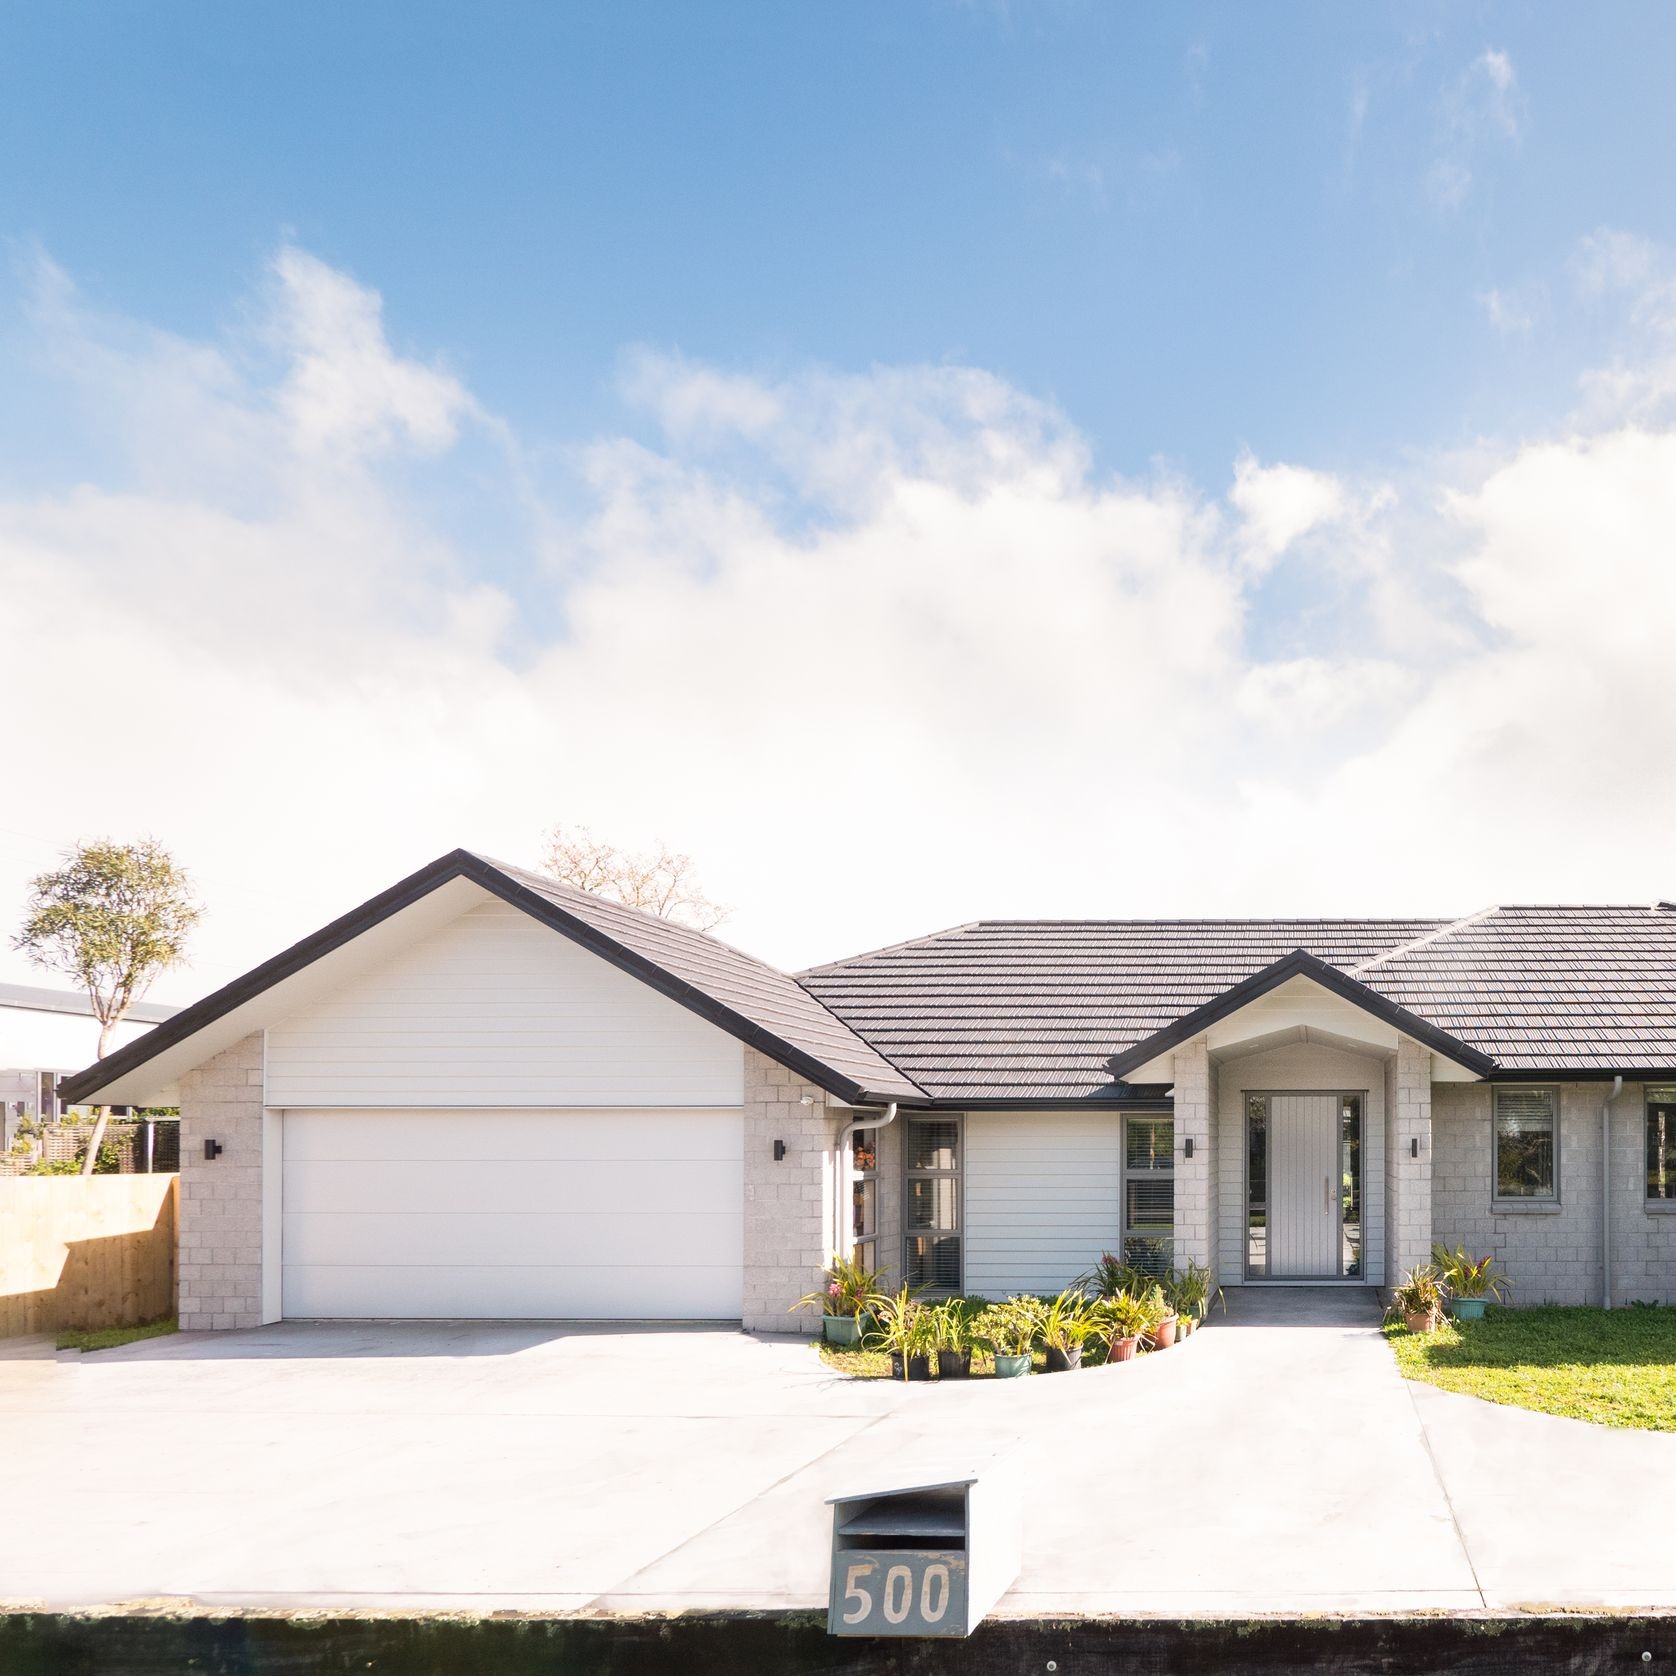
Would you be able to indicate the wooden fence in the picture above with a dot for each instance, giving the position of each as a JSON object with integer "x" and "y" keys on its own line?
{"x": 85, "y": 1251}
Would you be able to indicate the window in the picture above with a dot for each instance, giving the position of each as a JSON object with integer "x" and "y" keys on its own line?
{"x": 47, "y": 1096}
{"x": 1149, "y": 1193}
{"x": 864, "y": 1196}
{"x": 1350, "y": 1180}
{"x": 1526, "y": 1143}
{"x": 1257, "y": 1185}
{"x": 931, "y": 1203}
{"x": 1661, "y": 1144}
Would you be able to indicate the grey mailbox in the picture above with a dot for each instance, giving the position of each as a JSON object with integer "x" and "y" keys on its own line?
{"x": 925, "y": 1558}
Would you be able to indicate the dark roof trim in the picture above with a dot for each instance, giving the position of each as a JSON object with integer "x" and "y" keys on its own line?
{"x": 458, "y": 864}
{"x": 1572, "y": 1073}
{"x": 1159, "y": 1100}
{"x": 1294, "y": 965}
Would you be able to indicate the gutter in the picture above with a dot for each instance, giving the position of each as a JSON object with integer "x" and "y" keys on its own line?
{"x": 843, "y": 1245}
{"x": 1606, "y": 1192}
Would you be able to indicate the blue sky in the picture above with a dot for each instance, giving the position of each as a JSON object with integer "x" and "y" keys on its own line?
{"x": 1195, "y": 228}
{"x": 1004, "y": 417}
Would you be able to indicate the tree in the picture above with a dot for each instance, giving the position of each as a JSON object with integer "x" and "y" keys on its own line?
{"x": 656, "y": 881}
{"x": 112, "y": 917}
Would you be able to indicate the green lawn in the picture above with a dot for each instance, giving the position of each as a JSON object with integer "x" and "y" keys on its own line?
{"x": 108, "y": 1338}
{"x": 1616, "y": 1368}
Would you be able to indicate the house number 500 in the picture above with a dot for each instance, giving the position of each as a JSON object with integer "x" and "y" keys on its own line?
{"x": 897, "y": 1595}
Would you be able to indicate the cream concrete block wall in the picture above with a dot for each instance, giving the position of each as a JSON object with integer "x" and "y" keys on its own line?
{"x": 221, "y": 1198}
{"x": 1299, "y": 1067}
{"x": 1195, "y": 1232}
{"x": 789, "y": 1215}
{"x": 1552, "y": 1252}
{"x": 1408, "y": 1203}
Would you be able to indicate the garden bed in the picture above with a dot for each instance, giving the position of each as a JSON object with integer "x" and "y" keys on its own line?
{"x": 1612, "y": 1367}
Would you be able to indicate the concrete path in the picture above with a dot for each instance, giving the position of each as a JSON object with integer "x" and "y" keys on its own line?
{"x": 1274, "y": 1463}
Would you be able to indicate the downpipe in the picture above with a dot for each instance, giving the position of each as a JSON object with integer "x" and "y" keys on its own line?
{"x": 1606, "y": 1193}
{"x": 843, "y": 1243}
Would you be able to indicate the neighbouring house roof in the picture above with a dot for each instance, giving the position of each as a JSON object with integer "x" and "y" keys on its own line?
{"x": 27, "y": 998}
{"x": 1003, "y": 1009}
{"x": 755, "y": 1002}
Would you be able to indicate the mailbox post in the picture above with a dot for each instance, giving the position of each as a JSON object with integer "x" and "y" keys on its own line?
{"x": 927, "y": 1558}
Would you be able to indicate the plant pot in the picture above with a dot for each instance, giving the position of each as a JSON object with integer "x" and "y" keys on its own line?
{"x": 1012, "y": 1367}
{"x": 1123, "y": 1349}
{"x": 842, "y": 1329}
{"x": 1064, "y": 1361}
{"x": 954, "y": 1364}
{"x": 1418, "y": 1322}
{"x": 919, "y": 1367}
{"x": 1164, "y": 1334}
{"x": 1467, "y": 1309}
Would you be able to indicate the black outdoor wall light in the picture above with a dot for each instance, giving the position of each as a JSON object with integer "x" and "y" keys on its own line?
{"x": 212, "y": 1149}
{"x": 1414, "y": 1147}
{"x": 1187, "y": 1147}
{"x": 779, "y": 1152}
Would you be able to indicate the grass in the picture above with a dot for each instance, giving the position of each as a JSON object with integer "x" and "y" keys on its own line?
{"x": 1613, "y": 1367}
{"x": 108, "y": 1338}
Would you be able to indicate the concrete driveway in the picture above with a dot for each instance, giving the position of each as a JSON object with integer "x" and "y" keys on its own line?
{"x": 1274, "y": 1463}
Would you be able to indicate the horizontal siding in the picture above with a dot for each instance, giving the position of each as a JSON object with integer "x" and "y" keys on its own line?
{"x": 1043, "y": 1198}
{"x": 497, "y": 1010}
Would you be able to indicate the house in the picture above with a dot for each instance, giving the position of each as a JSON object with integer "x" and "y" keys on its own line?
{"x": 43, "y": 1031}
{"x": 482, "y": 1094}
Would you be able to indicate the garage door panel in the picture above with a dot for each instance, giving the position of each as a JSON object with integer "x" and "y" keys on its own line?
{"x": 561, "y": 1214}
{"x": 569, "y": 1293}
{"x": 588, "y": 1240}
{"x": 512, "y": 1136}
{"x": 478, "y": 1184}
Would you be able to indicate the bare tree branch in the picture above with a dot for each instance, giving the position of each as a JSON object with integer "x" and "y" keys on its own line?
{"x": 659, "y": 881}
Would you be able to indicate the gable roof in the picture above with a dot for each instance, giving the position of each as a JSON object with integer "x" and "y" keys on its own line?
{"x": 1034, "y": 1009}
{"x": 1300, "y": 964}
{"x": 760, "y": 1005}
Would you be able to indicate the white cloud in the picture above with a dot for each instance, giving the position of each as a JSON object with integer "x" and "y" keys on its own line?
{"x": 884, "y": 651}
{"x": 1514, "y": 313}
{"x": 1482, "y": 112}
{"x": 1280, "y": 504}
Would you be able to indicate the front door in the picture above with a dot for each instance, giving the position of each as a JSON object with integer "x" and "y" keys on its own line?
{"x": 1304, "y": 1178}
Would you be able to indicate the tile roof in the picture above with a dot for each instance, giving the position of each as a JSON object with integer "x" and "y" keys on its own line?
{"x": 1547, "y": 988}
{"x": 1004, "y": 1009}
{"x": 1008, "y": 1009}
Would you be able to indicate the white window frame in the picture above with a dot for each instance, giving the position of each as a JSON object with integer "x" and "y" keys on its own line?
{"x": 1654, "y": 1094}
{"x": 864, "y": 1247}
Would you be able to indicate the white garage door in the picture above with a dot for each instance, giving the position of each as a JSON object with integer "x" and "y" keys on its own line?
{"x": 546, "y": 1215}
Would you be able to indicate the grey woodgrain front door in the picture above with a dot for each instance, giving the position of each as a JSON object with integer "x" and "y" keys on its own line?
{"x": 1304, "y": 1201}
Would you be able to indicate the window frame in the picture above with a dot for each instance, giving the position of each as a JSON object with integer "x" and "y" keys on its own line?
{"x": 957, "y": 1175}
{"x": 1654, "y": 1094}
{"x": 864, "y": 1248}
{"x": 1156, "y": 1173}
{"x": 1522, "y": 1201}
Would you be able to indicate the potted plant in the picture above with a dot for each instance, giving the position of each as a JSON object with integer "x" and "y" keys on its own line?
{"x": 844, "y": 1300}
{"x": 1469, "y": 1283}
{"x": 1122, "y": 1320}
{"x": 904, "y": 1327}
{"x": 1191, "y": 1291}
{"x": 1066, "y": 1323}
{"x": 1008, "y": 1332}
{"x": 952, "y": 1334}
{"x": 1418, "y": 1300}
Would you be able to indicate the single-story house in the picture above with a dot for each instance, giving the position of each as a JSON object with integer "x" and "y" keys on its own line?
{"x": 483, "y": 1094}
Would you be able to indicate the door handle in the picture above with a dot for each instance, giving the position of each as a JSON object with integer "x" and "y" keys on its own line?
{"x": 1326, "y": 1193}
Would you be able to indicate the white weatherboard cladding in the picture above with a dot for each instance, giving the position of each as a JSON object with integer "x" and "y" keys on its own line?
{"x": 513, "y": 1214}
{"x": 495, "y": 1009}
{"x": 1043, "y": 1198}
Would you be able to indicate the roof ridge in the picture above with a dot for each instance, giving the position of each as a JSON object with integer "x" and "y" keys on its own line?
{"x": 885, "y": 948}
{"x": 1421, "y": 942}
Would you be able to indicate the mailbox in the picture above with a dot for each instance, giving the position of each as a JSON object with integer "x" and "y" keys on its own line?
{"x": 928, "y": 1557}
